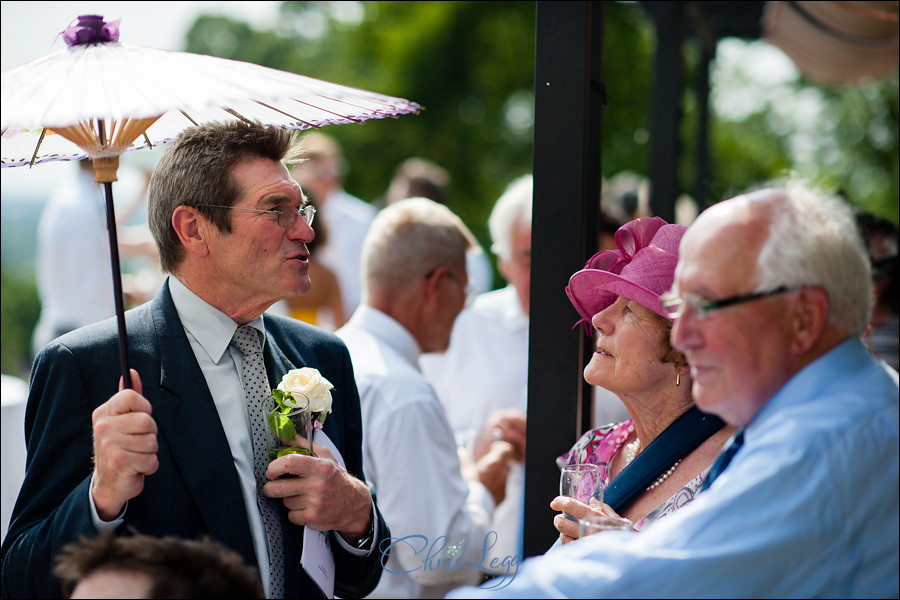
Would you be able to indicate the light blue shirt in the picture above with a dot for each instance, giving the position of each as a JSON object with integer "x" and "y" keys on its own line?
{"x": 807, "y": 508}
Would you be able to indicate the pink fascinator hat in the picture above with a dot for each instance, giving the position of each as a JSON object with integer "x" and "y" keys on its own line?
{"x": 642, "y": 268}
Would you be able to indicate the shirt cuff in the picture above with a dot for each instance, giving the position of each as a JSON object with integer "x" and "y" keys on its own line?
{"x": 358, "y": 551}
{"x": 480, "y": 496}
{"x": 100, "y": 524}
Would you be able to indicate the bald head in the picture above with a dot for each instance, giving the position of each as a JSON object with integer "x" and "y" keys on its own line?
{"x": 737, "y": 229}
{"x": 795, "y": 262}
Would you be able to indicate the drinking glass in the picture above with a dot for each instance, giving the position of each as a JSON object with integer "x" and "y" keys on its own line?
{"x": 581, "y": 482}
{"x": 294, "y": 430}
{"x": 595, "y": 523}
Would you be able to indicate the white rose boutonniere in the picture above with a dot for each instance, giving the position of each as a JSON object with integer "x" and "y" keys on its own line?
{"x": 302, "y": 401}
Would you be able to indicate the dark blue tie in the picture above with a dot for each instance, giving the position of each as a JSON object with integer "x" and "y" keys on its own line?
{"x": 721, "y": 462}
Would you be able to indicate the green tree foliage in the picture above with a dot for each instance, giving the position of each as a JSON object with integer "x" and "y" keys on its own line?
{"x": 19, "y": 312}
{"x": 858, "y": 150}
{"x": 842, "y": 138}
{"x": 470, "y": 64}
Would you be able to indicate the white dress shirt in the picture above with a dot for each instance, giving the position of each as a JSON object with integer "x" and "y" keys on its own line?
{"x": 439, "y": 522}
{"x": 485, "y": 369}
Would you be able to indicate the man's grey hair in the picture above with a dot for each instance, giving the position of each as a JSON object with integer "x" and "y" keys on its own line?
{"x": 409, "y": 239}
{"x": 512, "y": 207}
{"x": 813, "y": 240}
{"x": 197, "y": 170}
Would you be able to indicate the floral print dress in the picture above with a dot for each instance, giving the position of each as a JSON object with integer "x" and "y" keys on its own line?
{"x": 598, "y": 447}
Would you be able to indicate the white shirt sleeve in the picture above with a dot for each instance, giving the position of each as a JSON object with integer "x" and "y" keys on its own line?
{"x": 436, "y": 517}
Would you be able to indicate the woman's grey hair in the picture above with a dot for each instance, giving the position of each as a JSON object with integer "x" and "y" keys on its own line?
{"x": 410, "y": 238}
{"x": 813, "y": 240}
{"x": 512, "y": 207}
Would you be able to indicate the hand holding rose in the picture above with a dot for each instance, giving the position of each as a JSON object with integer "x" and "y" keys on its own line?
{"x": 322, "y": 494}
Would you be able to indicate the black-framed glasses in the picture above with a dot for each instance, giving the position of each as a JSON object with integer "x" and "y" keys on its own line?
{"x": 286, "y": 218}
{"x": 675, "y": 304}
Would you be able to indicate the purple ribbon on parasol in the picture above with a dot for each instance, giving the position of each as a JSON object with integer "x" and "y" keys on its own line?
{"x": 91, "y": 29}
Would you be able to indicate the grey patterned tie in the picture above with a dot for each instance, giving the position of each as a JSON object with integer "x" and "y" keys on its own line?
{"x": 259, "y": 396}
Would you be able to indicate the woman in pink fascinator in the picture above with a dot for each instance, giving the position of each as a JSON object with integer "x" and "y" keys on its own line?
{"x": 655, "y": 462}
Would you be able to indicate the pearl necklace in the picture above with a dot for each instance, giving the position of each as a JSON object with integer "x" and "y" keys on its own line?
{"x": 663, "y": 477}
{"x": 631, "y": 450}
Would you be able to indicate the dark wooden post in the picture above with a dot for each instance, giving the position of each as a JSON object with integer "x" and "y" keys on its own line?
{"x": 568, "y": 104}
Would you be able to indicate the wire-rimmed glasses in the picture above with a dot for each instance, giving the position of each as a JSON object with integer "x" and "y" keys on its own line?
{"x": 675, "y": 303}
{"x": 470, "y": 290}
{"x": 285, "y": 217}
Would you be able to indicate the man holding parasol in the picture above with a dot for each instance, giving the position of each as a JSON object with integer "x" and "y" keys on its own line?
{"x": 176, "y": 454}
{"x": 180, "y": 446}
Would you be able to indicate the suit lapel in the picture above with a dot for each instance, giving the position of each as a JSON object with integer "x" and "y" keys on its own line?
{"x": 201, "y": 452}
{"x": 277, "y": 363}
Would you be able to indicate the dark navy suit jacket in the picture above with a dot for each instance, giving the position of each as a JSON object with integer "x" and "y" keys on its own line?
{"x": 195, "y": 491}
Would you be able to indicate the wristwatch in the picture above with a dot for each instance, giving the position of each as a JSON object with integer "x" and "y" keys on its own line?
{"x": 365, "y": 541}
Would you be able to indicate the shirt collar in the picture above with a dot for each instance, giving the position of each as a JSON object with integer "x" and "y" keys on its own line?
{"x": 388, "y": 330}
{"x": 212, "y": 328}
{"x": 811, "y": 381}
{"x": 502, "y": 306}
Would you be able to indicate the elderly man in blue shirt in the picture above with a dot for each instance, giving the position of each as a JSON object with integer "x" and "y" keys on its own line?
{"x": 771, "y": 296}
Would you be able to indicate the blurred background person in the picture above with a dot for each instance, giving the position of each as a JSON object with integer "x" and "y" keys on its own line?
{"x": 482, "y": 378}
{"x": 346, "y": 217}
{"x": 323, "y": 304}
{"x": 414, "y": 269}
{"x": 883, "y": 335}
{"x": 421, "y": 178}
{"x": 74, "y": 278}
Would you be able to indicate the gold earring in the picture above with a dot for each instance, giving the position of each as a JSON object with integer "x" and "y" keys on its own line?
{"x": 677, "y": 377}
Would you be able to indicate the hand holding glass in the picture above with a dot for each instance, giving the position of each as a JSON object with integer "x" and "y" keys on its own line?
{"x": 595, "y": 523}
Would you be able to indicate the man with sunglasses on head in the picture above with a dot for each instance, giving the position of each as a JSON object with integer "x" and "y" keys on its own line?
{"x": 771, "y": 296}
{"x": 185, "y": 452}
